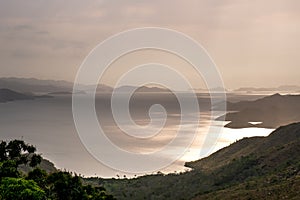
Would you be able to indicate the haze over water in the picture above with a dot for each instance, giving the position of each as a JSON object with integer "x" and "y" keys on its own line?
{"x": 48, "y": 124}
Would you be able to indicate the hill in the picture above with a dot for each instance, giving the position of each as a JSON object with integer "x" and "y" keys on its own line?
{"x": 259, "y": 168}
{"x": 270, "y": 147}
{"x": 35, "y": 85}
{"x": 45, "y": 164}
{"x": 7, "y": 95}
{"x": 273, "y": 111}
{"x": 252, "y": 168}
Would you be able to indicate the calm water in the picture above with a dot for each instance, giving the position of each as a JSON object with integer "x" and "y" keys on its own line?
{"x": 48, "y": 124}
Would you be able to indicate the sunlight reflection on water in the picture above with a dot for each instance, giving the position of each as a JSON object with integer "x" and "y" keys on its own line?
{"x": 227, "y": 137}
{"x": 48, "y": 124}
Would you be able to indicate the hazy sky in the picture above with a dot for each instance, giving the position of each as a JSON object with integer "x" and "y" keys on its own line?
{"x": 253, "y": 42}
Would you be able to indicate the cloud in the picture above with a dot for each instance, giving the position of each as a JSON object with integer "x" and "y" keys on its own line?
{"x": 241, "y": 36}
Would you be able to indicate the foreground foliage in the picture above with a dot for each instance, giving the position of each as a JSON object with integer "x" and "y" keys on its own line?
{"x": 38, "y": 184}
{"x": 19, "y": 188}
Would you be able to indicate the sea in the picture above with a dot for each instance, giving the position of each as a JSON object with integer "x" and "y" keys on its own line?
{"x": 48, "y": 124}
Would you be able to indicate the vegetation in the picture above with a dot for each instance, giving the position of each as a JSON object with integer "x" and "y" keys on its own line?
{"x": 38, "y": 184}
{"x": 19, "y": 188}
{"x": 252, "y": 168}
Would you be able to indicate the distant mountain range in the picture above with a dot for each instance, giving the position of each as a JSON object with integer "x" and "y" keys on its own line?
{"x": 215, "y": 90}
{"x": 52, "y": 86}
{"x": 272, "y": 111}
{"x": 142, "y": 89}
{"x": 32, "y": 85}
{"x": 283, "y": 88}
{"x": 35, "y": 85}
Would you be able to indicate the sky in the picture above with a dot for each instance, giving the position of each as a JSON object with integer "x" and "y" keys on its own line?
{"x": 253, "y": 42}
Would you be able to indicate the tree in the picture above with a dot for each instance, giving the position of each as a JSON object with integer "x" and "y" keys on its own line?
{"x": 35, "y": 160}
{"x": 64, "y": 186}
{"x": 20, "y": 189}
{"x": 39, "y": 176}
{"x": 8, "y": 168}
{"x": 39, "y": 185}
{"x": 19, "y": 152}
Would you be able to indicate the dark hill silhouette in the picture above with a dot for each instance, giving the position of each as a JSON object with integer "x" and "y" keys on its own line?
{"x": 7, "y": 95}
{"x": 273, "y": 111}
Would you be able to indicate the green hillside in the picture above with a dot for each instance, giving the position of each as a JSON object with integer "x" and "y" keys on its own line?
{"x": 252, "y": 168}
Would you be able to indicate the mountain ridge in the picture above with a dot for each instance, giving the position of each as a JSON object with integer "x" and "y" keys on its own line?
{"x": 34, "y": 85}
{"x": 282, "y": 88}
{"x": 273, "y": 111}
